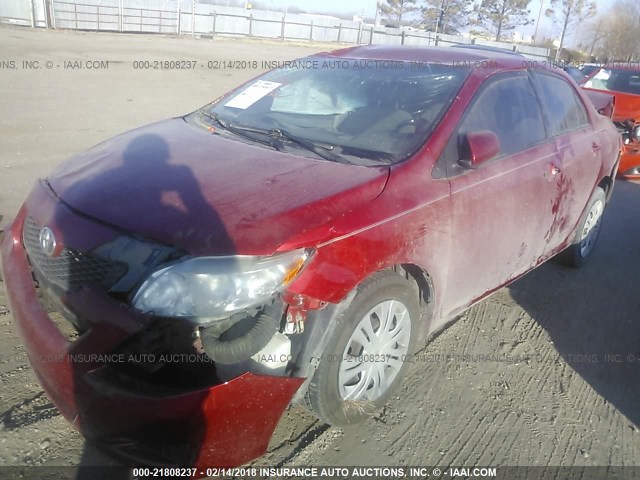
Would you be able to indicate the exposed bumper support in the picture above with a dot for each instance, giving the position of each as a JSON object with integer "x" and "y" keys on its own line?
{"x": 223, "y": 425}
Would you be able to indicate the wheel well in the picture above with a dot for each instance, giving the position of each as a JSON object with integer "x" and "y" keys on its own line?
{"x": 421, "y": 278}
{"x": 424, "y": 289}
{"x": 606, "y": 183}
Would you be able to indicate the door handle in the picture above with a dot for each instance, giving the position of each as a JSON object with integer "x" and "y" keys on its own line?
{"x": 595, "y": 146}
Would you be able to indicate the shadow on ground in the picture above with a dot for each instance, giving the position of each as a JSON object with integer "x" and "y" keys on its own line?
{"x": 593, "y": 314}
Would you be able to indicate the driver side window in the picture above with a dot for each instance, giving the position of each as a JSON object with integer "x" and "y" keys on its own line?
{"x": 509, "y": 108}
{"x": 506, "y": 106}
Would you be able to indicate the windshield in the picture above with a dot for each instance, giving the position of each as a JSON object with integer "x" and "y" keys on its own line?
{"x": 381, "y": 112}
{"x": 616, "y": 80}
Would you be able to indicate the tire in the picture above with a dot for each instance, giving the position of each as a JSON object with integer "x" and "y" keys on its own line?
{"x": 346, "y": 390}
{"x": 581, "y": 248}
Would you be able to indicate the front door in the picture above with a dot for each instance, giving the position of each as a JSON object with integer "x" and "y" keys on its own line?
{"x": 500, "y": 211}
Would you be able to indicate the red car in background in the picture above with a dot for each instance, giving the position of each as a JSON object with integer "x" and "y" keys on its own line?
{"x": 623, "y": 81}
{"x": 177, "y": 286}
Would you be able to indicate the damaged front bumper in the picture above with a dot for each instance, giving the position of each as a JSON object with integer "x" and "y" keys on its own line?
{"x": 630, "y": 161}
{"x": 222, "y": 424}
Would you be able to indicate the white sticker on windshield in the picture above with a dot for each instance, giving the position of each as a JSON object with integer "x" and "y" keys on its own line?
{"x": 252, "y": 94}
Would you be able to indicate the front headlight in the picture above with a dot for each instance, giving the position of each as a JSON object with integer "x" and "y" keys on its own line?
{"x": 636, "y": 133}
{"x": 206, "y": 289}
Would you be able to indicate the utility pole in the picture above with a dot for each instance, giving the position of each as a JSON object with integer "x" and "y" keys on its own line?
{"x": 535, "y": 35}
{"x": 564, "y": 31}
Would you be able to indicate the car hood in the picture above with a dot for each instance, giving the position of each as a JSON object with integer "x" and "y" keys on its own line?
{"x": 179, "y": 184}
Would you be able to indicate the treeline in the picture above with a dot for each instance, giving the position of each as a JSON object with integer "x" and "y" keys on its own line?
{"x": 495, "y": 19}
{"x": 615, "y": 34}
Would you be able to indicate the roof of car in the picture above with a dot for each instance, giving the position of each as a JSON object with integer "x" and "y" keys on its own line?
{"x": 488, "y": 48}
{"x": 445, "y": 55}
{"x": 622, "y": 66}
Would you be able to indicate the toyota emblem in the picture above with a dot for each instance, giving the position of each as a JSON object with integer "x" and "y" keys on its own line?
{"x": 47, "y": 241}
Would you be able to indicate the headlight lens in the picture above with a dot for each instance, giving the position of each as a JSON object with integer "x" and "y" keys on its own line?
{"x": 636, "y": 133}
{"x": 206, "y": 289}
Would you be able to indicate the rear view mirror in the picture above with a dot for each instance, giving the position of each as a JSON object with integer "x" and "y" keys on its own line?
{"x": 478, "y": 148}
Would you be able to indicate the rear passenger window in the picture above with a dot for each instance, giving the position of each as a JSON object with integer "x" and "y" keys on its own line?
{"x": 508, "y": 107}
{"x": 563, "y": 109}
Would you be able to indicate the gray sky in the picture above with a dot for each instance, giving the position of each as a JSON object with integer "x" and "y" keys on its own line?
{"x": 547, "y": 27}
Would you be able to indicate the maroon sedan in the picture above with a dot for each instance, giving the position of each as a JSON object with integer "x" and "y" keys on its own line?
{"x": 177, "y": 286}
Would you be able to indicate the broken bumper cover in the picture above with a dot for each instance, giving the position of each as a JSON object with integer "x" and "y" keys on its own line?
{"x": 226, "y": 424}
{"x": 630, "y": 162}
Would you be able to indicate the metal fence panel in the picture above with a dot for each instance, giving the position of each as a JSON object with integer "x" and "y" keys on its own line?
{"x": 425, "y": 39}
{"x": 444, "y": 40}
{"x": 87, "y": 14}
{"x": 39, "y": 13}
{"x": 195, "y": 18}
{"x": 16, "y": 12}
{"x": 491, "y": 43}
{"x": 266, "y": 24}
{"x": 532, "y": 52}
{"x": 324, "y": 29}
{"x": 349, "y": 31}
{"x": 151, "y": 16}
{"x": 227, "y": 25}
{"x": 392, "y": 36}
{"x": 297, "y": 27}
{"x": 204, "y": 19}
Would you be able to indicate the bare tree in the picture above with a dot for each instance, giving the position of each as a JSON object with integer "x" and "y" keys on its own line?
{"x": 594, "y": 34}
{"x": 569, "y": 13}
{"x": 502, "y": 15}
{"x": 446, "y": 16}
{"x": 618, "y": 37}
{"x": 397, "y": 8}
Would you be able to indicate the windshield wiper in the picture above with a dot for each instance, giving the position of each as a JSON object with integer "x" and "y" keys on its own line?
{"x": 246, "y": 132}
{"x": 370, "y": 154}
{"x": 276, "y": 136}
{"x": 322, "y": 150}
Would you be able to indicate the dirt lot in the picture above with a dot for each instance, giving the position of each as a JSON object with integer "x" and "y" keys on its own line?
{"x": 575, "y": 401}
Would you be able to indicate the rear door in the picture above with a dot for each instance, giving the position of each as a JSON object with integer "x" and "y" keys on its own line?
{"x": 500, "y": 211}
{"x": 579, "y": 147}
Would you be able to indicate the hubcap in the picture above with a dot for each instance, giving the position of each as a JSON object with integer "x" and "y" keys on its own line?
{"x": 591, "y": 228}
{"x": 375, "y": 352}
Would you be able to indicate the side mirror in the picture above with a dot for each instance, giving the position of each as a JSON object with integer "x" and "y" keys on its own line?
{"x": 478, "y": 148}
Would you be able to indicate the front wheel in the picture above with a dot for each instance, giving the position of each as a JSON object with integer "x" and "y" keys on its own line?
{"x": 581, "y": 248}
{"x": 368, "y": 352}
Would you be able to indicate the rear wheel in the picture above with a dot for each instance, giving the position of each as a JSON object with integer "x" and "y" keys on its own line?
{"x": 581, "y": 248}
{"x": 367, "y": 353}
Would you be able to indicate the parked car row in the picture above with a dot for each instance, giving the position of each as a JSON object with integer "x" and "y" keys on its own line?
{"x": 623, "y": 81}
{"x": 298, "y": 239}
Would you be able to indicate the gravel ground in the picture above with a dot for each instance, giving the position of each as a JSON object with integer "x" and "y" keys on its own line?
{"x": 564, "y": 393}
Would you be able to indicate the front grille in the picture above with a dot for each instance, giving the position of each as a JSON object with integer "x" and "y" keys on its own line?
{"x": 71, "y": 269}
